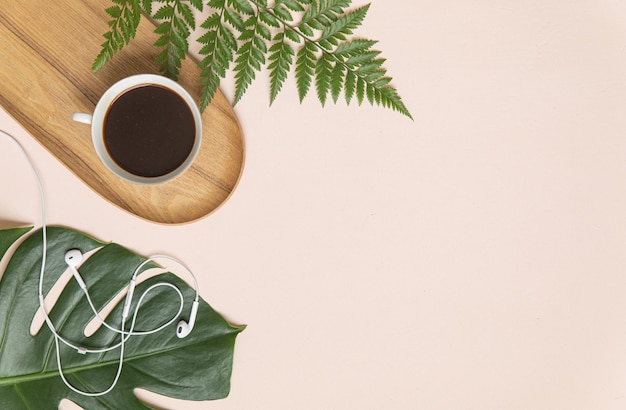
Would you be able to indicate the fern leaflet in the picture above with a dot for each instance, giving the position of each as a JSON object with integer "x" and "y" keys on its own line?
{"x": 281, "y": 60}
{"x": 125, "y": 16}
{"x": 177, "y": 22}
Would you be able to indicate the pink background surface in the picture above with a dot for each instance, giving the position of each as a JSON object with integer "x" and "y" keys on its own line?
{"x": 471, "y": 259}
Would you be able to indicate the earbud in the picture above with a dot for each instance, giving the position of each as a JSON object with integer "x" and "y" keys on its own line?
{"x": 73, "y": 258}
{"x": 183, "y": 328}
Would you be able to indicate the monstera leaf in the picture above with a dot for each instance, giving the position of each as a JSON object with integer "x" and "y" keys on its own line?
{"x": 197, "y": 367}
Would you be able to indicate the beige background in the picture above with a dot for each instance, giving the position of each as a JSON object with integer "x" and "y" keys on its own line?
{"x": 471, "y": 259}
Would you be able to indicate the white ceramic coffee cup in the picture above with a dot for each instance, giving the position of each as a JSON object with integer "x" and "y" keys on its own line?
{"x": 97, "y": 125}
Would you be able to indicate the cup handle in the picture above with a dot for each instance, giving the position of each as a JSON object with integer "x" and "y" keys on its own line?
{"x": 82, "y": 117}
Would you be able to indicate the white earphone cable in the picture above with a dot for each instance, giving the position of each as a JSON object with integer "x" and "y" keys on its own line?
{"x": 125, "y": 335}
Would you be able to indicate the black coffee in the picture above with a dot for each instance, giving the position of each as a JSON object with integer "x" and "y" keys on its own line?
{"x": 149, "y": 130}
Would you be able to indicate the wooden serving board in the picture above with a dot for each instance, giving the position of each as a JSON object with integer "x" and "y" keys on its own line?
{"x": 46, "y": 52}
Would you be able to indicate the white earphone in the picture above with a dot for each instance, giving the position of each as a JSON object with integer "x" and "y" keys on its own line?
{"x": 73, "y": 258}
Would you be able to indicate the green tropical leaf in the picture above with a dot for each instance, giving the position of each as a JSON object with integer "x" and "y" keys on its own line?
{"x": 8, "y": 238}
{"x": 197, "y": 367}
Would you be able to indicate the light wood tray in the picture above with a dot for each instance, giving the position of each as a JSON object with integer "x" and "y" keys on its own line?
{"x": 46, "y": 52}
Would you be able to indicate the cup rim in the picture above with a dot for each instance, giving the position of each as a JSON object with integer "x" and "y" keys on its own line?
{"x": 110, "y": 95}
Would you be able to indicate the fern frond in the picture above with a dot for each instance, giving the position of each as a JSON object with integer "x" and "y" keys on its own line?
{"x": 323, "y": 70}
{"x": 341, "y": 28}
{"x": 242, "y": 6}
{"x": 125, "y": 17}
{"x": 146, "y": 5}
{"x": 177, "y": 22}
{"x": 321, "y": 14}
{"x": 292, "y": 5}
{"x": 367, "y": 77}
{"x": 218, "y": 51}
{"x": 281, "y": 59}
{"x": 311, "y": 36}
{"x": 305, "y": 64}
{"x": 251, "y": 54}
{"x": 357, "y": 46}
{"x": 337, "y": 79}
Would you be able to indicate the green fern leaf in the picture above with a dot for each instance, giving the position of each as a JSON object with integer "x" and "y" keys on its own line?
{"x": 242, "y": 6}
{"x": 305, "y": 63}
{"x": 177, "y": 22}
{"x": 306, "y": 30}
{"x": 282, "y": 13}
{"x": 251, "y": 55}
{"x": 358, "y": 59}
{"x": 186, "y": 13}
{"x": 102, "y": 58}
{"x": 197, "y": 4}
{"x": 220, "y": 46}
{"x": 146, "y": 5}
{"x": 165, "y": 12}
{"x": 292, "y": 35}
{"x": 354, "y": 47}
{"x": 324, "y": 11}
{"x": 281, "y": 59}
{"x": 337, "y": 81}
{"x": 350, "y": 86}
{"x": 342, "y": 27}
{"x": 229, "y": 37}
{"x": 181, "y": 27}
{"x": 323, "y": 70}
{"x": 114, "y": 11}
{"x": 268, "y": 18}
{"x": 234, "y": 20}
{"x": 125, "y": 16}
{"x": 293, "y": 5}
{"x": 212, "y": 21}
{"x": 217, "y": 4}
{"x": 249, "y": 33}
{"x": 264, "y": 32}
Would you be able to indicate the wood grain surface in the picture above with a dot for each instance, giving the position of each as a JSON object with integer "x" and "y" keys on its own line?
{"x": 46, "y": 52}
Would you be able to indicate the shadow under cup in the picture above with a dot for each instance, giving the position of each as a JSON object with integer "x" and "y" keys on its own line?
{"x": 147, "y": 132}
